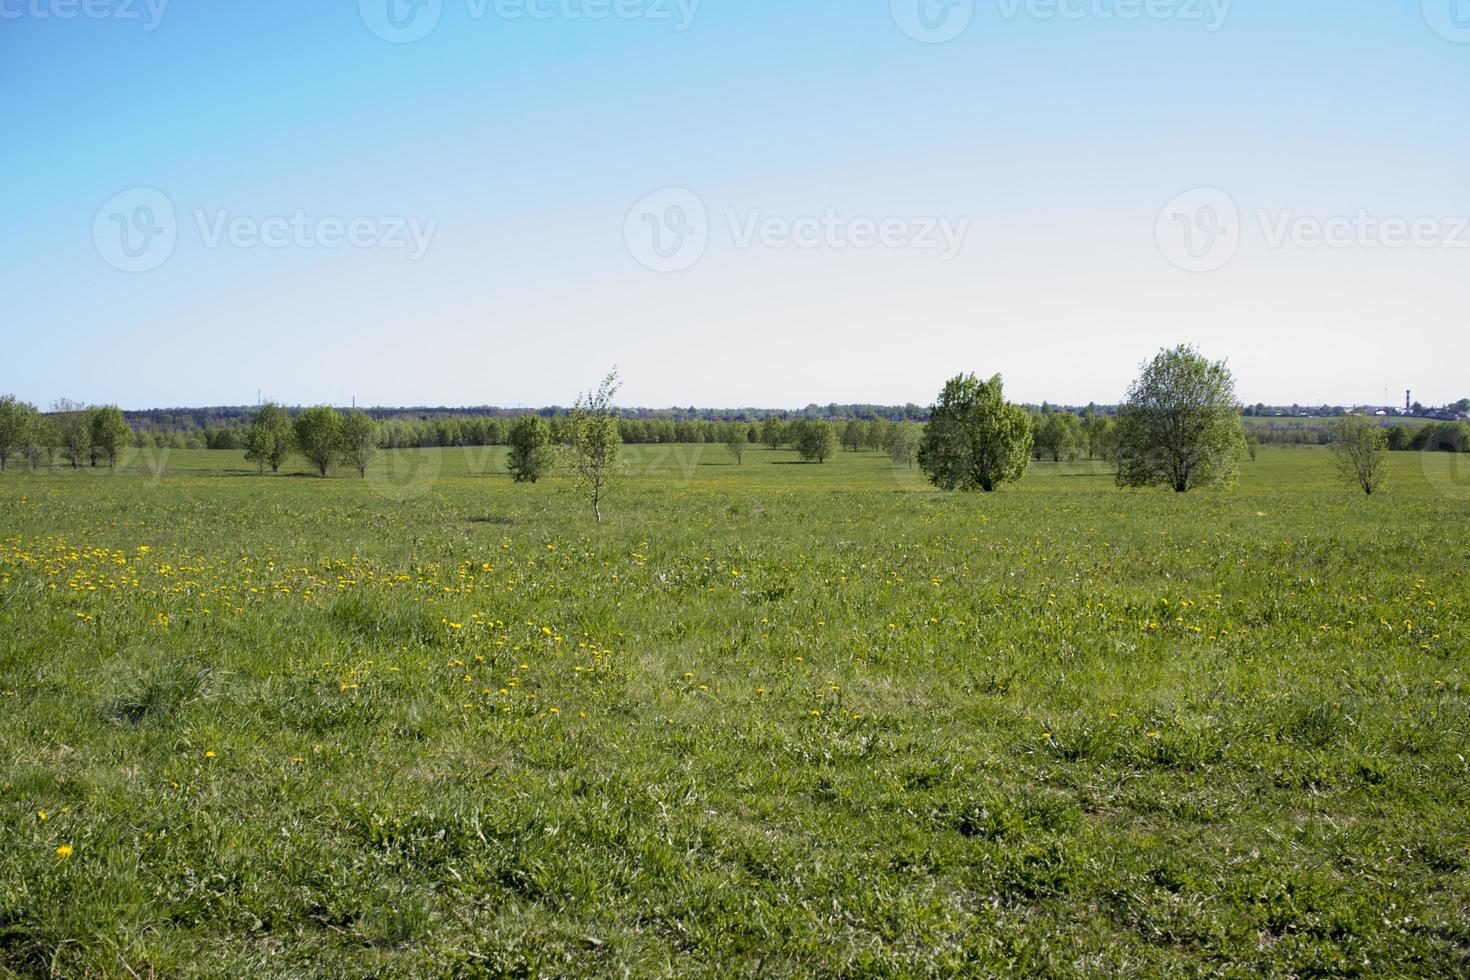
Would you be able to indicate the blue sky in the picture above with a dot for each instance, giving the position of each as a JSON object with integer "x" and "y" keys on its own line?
{"x": 468, "y": 217}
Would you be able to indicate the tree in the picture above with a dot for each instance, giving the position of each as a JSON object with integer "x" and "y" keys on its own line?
{"x": 1060, "y": 434}
{"x": 593, "y": 436}
{"x": 270, "y": 438}
{"x": 902, "y": 443}
{"x": 877, "y": 434}
{"x": 110, "y": 434}
{"x": 1180, "y": 426}
{"x": 73, "y": 431}
{"x": 773, "y": 432}
{"x": 358, "y": 440}
{"x": 319, "y": 436}
{"x": 41, "y": 437}
{"x": 737, "y": 438}
{"x": 531, "y": 454}
{"x": 853, "y": 435}
{"x": 17, "y": 419}
{"x": 1361, "y": 450}
{"x": 975, "y": 439}
{"x": 813, "y": 439}
{"x": 1399, "y": 438}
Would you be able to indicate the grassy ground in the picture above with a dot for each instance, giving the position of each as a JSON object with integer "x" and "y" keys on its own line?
{"x": 770, "y": 719}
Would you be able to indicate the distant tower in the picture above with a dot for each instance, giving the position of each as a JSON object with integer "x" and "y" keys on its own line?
{"x": 1409, "y": 400}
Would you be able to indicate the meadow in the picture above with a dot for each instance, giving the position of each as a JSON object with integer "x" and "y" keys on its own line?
{"x": 771, "y": 719}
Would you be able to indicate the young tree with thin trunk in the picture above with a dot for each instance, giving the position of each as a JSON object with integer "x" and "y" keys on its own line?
{"x": 593, "y": 440}
{"x": 359, "y": 441}
{"x": 1360, "y": 449}
{"x": 1180, "y": 426}
{"x": 737, "y": 440}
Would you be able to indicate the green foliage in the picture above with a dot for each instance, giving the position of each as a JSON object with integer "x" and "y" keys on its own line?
{"x": 1360, "y": 448}
{"x": 773, "y": 432}
{"x": 737, "y": 440}
{"x": 358, "y": 441}
{"x": 814, "y": 440}
{"x": 531, "y": 455}
{"x": 1180, "y": 427}
{"x": 319, "y": 436}
{"x": 18, "y": 421}
{"x": 270, "y": 438}
{"x": 592, "y": 436}
{"x": 1060, "y": 435}
{"x": 975, "y": 439}
{"x": 901, "y": 442}
{"x": 73, "y": 431}
{"x": 110, "y": 434}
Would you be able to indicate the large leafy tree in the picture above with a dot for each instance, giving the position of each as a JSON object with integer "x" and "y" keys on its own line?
{"x": 1180, "y": 426}
{"x": 17, "y": 420}
{"x": 270, "y": 438}
{"x": 813, "y": 439}
{"x": 531, "y": 454}
{"x": 592, "y": 435}
{"x": 975, "y": 439}
{"x": 319, "y": 436}
{"x": 358, "y": 441}
{"x": 110, "y": 434}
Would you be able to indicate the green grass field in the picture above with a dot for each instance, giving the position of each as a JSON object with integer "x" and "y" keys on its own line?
{"x": 774, "y": 719}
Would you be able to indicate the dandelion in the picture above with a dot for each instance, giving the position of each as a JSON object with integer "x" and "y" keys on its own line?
{"x": 41, "y": 815}
{"x": 209, "y": 754}
{"x": 64, "y": 851}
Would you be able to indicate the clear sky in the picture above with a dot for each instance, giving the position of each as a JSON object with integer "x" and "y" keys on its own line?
{"x": 740, "y": 202}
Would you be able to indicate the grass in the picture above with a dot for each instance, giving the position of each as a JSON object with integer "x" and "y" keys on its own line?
{"x": 767, "y": 720}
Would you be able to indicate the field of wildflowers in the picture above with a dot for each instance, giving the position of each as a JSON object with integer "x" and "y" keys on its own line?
{"x": 769, "y": 719}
